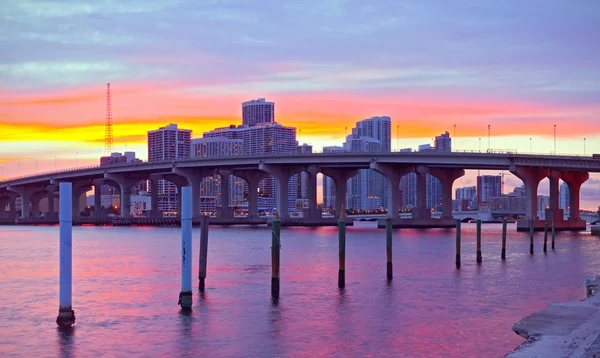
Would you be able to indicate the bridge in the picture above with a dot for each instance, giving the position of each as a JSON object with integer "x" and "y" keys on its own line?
{"x": 340, "y": 167}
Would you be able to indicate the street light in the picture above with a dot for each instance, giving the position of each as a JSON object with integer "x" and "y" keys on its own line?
{"x": 530, "y": 145}
{"x": 555, "y": 139}
{"x": 479, "y": 144}
{"x": 583, "y": 146}
{"x": 454, "y": 136}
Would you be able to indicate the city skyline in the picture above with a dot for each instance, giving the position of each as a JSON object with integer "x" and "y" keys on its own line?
{"x": 518, "y": 73}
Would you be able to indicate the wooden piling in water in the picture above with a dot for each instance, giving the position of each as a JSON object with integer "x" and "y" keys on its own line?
{"x": 553, "y": 232}
{"x": 203, "y": 252}
{"x": 457, "y": 243}
{"x": 388, "y": 247}
{"x": 275, "y": 252}
{"x": 479, "y": 258}
{"x": 531, "y": 237}
{"x": 503, "y": 255}
{"x": 545, "y": 235}
{"x": 342, "y": 248}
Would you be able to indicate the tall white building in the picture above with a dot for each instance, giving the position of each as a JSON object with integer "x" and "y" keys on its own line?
{"x": 168, "y": 143}
{"x": 367, "y": 190}
{"x": 328, "y": 185}
{"x": 564, "y": 197}
{"x": 257, "y": 111}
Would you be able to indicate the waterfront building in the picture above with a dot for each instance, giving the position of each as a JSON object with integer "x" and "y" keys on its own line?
{"x": 257, "y": 111}
{"x": 328, "y": 184}
{"x": 564, "y": 199}
{"x": 488, "y": 186}
{"x": 168, "y": 143}
{"x": 367, "y": 190}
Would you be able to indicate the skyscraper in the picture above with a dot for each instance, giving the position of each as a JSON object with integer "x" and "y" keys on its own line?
{"x": 328, "y": 184}
{"x": 303, "y": 176}
{"x": 257, "y": 111}
{"x": 488, "y": 186}
{"x": 443, "y": 143}
{"x": 168, "y": 143}
{"x": 367, "y": 190}
{"x": 564, "y": 201}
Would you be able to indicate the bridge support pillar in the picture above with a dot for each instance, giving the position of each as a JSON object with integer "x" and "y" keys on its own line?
{"x": 447, "y": 178}
{"x": 35, "y": 204}
{"x": 340, "y": 178}
{"x": 421, "y": 212}
{"x": 226, "y": 210}
{"x": 554, "y": 212}
{"x": 392, "y": 175}
{"x": 531, "y": 177}
{"x": 313, "y": 211}
{"x": 252, "y": 178}
{"x": 125, "y": 184}
{"x": 282, "y": 175}
{"x": 574, "y": 180}
{"x": 97, "y": 200}
{"x": 26, "y": 193}
{"x": 154, "y": 212}
{"x": 194, "y": 177}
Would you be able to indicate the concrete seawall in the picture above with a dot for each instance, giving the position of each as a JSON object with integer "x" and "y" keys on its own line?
{"x": 569, "y": 329}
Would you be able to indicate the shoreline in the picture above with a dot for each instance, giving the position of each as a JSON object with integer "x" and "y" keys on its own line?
{"x": 570, "y": 329}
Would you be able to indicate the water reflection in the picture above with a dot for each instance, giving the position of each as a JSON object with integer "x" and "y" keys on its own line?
{"x": 65, "y": 343}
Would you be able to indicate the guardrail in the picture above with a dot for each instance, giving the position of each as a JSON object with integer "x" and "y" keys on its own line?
{"x": 317, "y": 153}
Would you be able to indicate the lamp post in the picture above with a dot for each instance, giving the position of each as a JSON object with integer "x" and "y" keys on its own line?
{"x": 583, "y": 146}
{"x": 76, "y": 159}
{"x": 398, "y": 137}
{"x": 479, "y": 144}
{"x": 454, "y": 135}
{"x": 489, "y": 136}
{"x": 555, "y": 139}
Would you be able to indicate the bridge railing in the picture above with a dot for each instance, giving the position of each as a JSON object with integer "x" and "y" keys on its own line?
{"x": 314, "y": 152}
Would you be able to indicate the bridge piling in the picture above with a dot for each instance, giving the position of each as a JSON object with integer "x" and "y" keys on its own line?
{"x": 479, "y": 258}
{"x": 553, "y": 232}
{"x": 388, "y": 247}
{"x": 545, "y": 236}
{"x": 531, "y": 236}
{"x": 203, "y": 252}
{"x": 185, "y": 296}
{"x": 66, "y": 314}
{"x": 457, "y": 244}
{"x": 342, "y": 248}
{"x": 503, "y": 255}
{"x": 275, "y": 255}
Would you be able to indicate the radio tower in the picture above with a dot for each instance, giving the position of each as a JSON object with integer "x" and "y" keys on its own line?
{"x": 108, "y": 132}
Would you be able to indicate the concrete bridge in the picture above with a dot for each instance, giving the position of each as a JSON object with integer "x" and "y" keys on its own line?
{"x": 447, "y": 167}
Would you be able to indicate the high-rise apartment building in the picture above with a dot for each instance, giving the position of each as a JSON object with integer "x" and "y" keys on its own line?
{"x": 257, "y": 111}
{"x": 328, "y": 185}
{"x": 168, "y": 143}
{"x": 367, "y": 190}
{"x": 488, "y": 186}
{"x": 466, "y": 198}
{"x": 303, "y": 176}
{"x": 443, "y": 143}
{"x": 216, "y": 147}
{"x": 564, "y": 197}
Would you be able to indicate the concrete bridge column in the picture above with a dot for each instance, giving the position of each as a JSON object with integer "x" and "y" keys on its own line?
{"x": 225, "y": 211}
{"x": 125, "y": 184}
{"x": 531, "y": 177}
{"x": 252, "y": 178}
{"x": 447, "y": 178}
{"x": 421, "y": 212}
{"x": 76, "y": 200}
{"x": 153, "y": 181}
{"x": 574, "y": 180}
{"x": 35, "y": 204}
{"x": 3, "y": 205}
{"x": 555, "y": 213}
{"x": 392, "y": 175}
{"x": 340, "y": 178}
{"x": 97, "y": 199}
{"x": 282, "y": 175}
{"x": 51, "y": 213}
{"x": 12, "y": 213}
{"x": 25, "y": 193}
{"x": 194, "y": 177}
{"x": 313, "y": 210}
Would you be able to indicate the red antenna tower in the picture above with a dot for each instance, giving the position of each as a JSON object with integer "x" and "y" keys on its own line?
{"x": 108, "y": 132}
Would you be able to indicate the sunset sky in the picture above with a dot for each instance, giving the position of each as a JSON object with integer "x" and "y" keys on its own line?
{"x": 521, "y": 67}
